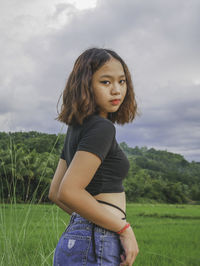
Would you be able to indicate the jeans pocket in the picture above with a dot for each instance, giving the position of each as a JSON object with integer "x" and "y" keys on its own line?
{"x": 111, "y": 251}
{"x": 72, "y": 250}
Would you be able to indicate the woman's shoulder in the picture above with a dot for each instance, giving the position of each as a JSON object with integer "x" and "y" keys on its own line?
{"x": 97, "y": 118}
{"x": 98, "y": 121}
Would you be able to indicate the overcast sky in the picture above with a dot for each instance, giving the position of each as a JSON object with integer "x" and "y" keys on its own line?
{"x": 159, "y": 40}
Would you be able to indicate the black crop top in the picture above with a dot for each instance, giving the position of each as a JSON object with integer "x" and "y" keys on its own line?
{"x": 97, "y": 135}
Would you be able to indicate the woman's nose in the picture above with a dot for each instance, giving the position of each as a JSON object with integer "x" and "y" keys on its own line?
{"x": 116, "y": 89}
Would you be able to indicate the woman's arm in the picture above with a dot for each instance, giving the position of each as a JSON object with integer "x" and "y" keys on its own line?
{"x": 55, "y": 184}
{"x": 72, "y": 192}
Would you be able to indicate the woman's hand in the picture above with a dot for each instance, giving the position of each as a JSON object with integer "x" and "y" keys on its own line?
{"x": 130, "y": 247}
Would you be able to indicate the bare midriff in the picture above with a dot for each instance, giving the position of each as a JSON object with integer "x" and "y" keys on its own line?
{"x": 118, "y": 199}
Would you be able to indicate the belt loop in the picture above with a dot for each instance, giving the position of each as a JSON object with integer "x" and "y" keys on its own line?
{"x": 72, "y": 217}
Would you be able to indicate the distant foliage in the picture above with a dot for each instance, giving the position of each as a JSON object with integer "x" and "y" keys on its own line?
{"x": 161, "y": 175}
{"x": 28, "y": 161}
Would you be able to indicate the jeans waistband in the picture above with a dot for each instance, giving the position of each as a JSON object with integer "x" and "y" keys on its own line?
{"x": 78, "y": 219}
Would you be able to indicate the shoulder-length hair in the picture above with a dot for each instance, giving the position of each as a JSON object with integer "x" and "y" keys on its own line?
{"x": 78, "y": 96}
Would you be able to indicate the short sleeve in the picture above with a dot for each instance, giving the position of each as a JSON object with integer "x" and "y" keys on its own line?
{"x": 97, "y": 138}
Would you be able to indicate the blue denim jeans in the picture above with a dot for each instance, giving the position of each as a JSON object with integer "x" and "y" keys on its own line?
{"x": 80, "y": 246}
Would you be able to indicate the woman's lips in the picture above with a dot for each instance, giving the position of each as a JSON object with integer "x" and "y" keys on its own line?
{"x": 115, "y": 102}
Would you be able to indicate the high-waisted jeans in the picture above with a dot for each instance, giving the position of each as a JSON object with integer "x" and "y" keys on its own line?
{"x": 85, "y": 243}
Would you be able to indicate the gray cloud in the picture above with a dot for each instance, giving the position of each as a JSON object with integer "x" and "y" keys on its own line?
{"x": 158, "y": 40}
{"x": 174, "y": 126}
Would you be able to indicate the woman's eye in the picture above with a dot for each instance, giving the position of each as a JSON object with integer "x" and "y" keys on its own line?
{"x": 122, "y": 81}
{"x": 105, "y": 82}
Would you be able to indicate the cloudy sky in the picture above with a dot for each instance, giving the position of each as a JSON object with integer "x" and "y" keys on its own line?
{"x": 159, "y": 40}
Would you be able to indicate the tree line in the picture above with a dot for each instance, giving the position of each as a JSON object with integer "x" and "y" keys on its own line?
{"x": 28, "y": 161}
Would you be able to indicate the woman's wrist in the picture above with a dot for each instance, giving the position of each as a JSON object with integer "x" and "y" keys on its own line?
{"x": 124, "y": 228}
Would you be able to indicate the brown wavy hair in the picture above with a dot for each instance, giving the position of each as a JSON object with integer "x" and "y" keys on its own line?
{"x": 78, "y": 96}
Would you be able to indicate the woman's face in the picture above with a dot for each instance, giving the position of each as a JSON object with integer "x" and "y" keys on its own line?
{"x": 109, "y": 87}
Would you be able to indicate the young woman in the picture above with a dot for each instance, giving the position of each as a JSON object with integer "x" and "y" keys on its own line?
{"x": 88, "y": 180}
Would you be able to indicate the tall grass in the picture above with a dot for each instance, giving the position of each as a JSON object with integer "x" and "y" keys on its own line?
{"x": 22, "y": 242}
{"x": 28, "y": 234}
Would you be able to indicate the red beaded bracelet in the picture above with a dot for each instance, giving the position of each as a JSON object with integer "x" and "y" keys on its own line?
{"x": 124, "y": 228}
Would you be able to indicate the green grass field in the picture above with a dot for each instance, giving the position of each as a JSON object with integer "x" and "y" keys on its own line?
{"x": 166, "y": 234}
